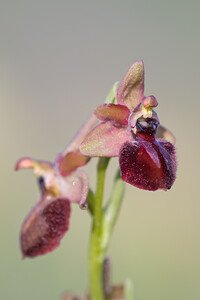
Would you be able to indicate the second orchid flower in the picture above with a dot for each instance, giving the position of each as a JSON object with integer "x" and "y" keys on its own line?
{"x": 61, "y": 183}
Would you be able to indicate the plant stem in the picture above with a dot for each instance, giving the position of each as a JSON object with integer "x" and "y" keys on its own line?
{"x": 90, "y": 201}
{"x": 104, "y": 220}
{"x": 111, "y": 211}
{"x": 96, "y": 255}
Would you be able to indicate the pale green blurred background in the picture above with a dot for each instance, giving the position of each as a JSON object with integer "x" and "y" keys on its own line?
{"x": 58, "y": 60}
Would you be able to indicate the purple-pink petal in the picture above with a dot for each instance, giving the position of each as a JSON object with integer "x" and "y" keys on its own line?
{"x": 105, "y": 140}
{"x": 131, "y": 89}
{"x": 116, "y": 113}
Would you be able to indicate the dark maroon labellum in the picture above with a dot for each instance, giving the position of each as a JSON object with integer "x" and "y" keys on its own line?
{"x": 44, "y": 227}
{"x": 148, "y": 164}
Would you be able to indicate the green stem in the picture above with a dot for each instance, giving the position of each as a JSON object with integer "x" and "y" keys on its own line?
{"x": 129, "y": 290}
{"x": 90, "y": 201}
{"x": 96, "y": 255}
{"x": 111, "y": 211}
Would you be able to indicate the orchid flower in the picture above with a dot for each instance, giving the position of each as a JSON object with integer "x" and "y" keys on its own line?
{"x": 61, "y": 183}
{"x": 130, "y": 130}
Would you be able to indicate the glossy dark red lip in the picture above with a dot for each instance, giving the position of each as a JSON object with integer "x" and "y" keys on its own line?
{"x": 148, "y": 164}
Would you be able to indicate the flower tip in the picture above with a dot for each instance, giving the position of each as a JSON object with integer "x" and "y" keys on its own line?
{"x": 131, "y": 88}
{"x": 24, "y": 163}
{"x": 83, "y": 206}
{"x": 150, "y": 101}
{"x": 138, "y": 66}
{"x": 139, "y": 62}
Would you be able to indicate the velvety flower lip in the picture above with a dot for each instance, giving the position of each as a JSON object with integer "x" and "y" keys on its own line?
{"x": 131, "y": 131}
{"x": 45, "y": 226}
{"x": 148, "y": 165}
{"x": 61, "y": 183}
{"x": 48, "y": 221}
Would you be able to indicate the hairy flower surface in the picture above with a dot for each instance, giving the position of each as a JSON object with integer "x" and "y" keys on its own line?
{"x": 60, "y": 183}
{"x": 130, "y": 130}
{"x": 48, "y": 221}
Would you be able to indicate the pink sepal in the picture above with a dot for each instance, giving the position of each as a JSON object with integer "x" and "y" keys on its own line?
{"x": 105, "y": 140}
{"x": 131, "y": 89}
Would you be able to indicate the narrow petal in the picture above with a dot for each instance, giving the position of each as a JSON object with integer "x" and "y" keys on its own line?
{"x": 131, "y": 89}
{"x": 105, "y": 140}
{"x": 45, "y": 226}
{"x": 116, "y": 113}
{"x": 24, "y": 163}
{"x": 44, "y": 172}
{"x": 70, "y": 162}
{"x": 27, "y": 163}
{"x": 164, "y": 133}
{"x": 148, "y": 165}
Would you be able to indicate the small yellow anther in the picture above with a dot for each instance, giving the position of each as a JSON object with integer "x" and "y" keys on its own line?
{"x": 146, "y": 111}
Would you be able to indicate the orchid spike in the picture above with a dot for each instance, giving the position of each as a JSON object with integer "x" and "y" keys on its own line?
{"x": 128, "y": 131}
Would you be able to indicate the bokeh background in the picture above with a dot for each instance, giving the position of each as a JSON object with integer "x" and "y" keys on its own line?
{"x": 58, "y": 60}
